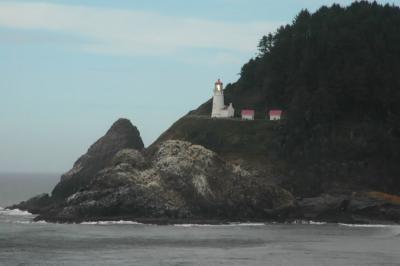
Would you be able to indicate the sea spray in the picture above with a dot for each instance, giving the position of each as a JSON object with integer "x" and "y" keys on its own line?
{"x": 219, "y": 225}
{"x": 14, "y": 212}
{"x": 111, "y": 223}
{"x": 371, "y": 225}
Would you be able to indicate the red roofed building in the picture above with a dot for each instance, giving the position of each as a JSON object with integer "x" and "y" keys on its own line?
{"x": 275, "y": 114}
{"x": 247, "y": 114}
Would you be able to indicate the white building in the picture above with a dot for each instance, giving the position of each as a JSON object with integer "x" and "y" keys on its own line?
{"x": 248, "y": 114}
{"x": 219, "y": 109}
{"x": 275, "y": 114}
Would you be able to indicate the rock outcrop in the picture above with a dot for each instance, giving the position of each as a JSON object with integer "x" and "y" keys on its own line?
{"x": 121, "y": 135}
{"x": 356, "y": 207}
{"x": 35, "y": 205}
{"x": 178, "y": 181}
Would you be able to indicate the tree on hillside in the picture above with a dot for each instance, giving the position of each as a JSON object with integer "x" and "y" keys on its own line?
{"x": 336, "y": 74}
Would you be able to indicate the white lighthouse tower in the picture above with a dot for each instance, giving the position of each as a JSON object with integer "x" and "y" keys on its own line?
{"x": 218, "y": 108}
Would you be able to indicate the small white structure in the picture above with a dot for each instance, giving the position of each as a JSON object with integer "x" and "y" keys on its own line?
{"x": 247, "y": 114}
{"x": 219, "y": 109}
{"x": 275, "y": 114}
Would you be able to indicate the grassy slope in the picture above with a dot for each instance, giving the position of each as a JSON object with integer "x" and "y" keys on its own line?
{"x": 227, "y": 137}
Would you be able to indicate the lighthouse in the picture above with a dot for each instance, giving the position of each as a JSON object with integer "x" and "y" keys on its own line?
{"x": 219, "y": 109}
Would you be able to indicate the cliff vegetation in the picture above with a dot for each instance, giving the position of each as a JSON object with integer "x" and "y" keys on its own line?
{"x": 336, "y": 75}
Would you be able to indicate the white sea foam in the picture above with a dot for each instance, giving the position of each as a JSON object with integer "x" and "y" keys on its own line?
{"x": 247, "y": 224}
{"x": 41, "y": 222}
{"x": 219, "y": 225}
{"x": 371, "y": 225}
{"x": 14, "y": 212}
{"x": 195, "y": 225}
{"x": 308, "y": 222}
{"x": 110, "y": 222}
{"x": 24, "y": 221}
{"x": 317, "y": 223}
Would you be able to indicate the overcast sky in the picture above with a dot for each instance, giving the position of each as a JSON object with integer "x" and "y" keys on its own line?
{"x": 71, "y": 68}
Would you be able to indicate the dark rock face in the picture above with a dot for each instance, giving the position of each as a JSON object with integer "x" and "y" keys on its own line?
{"x": 35, "y": 205}
{"x": 121, "y": 135}
{"x": 360, "y": 207}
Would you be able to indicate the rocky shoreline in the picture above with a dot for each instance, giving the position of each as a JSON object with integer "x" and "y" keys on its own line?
{"x": 327, "y": 209}
{"x": 167, "y": 221}
{"x": 180, "y": 182}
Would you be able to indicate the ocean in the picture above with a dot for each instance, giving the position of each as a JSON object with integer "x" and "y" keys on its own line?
{"x": 24, "y": 242}
{"x": 17, "y": 187}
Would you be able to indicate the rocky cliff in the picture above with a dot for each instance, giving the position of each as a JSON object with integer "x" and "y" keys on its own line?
{"x": 121, "y": 135}
{"x": 178, "y": 181}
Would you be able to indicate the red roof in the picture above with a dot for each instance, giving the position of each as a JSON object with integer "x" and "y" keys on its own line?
{"x": 247, "y": 112}
{"x": 275, "y": 112}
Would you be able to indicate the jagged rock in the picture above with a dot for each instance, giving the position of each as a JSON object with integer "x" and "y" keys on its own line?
{"x": 34, "y": 205}
{"x": 113, "y": 177}
{"x": 137, "y": 201}
{"x": 181, "y": 180}
{"x": 212, "y": 186}
{"x": 178, "y": 157}
{"x": 121, "y": 135}
{"x": 130, "y": 156}
{"x": 188, "y": 168}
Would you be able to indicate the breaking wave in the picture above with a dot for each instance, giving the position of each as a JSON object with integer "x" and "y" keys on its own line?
{"x": 371, "y": 225}
{"x": 110, "y": 222}
{"x": 219, "y": 225}
{"x": 29, "y": 222}
{"x": 14, "y": 212}
{"x": 313, "y": 222}
{"x": 308, "y": 222}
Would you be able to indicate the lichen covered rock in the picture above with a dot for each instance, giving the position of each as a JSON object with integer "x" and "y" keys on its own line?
{"x": 180, "y": 181}
{"x": 130, "y": 156}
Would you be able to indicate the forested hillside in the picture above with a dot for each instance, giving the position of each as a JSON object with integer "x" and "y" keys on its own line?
{"x": 336, "y": 75}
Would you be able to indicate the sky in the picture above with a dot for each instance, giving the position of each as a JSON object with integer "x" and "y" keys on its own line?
{"x": 69, "y": 69}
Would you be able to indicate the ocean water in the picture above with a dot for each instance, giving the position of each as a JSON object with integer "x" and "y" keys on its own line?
{"x": 24, "y": 242}
{"x": 16, "y": 187}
